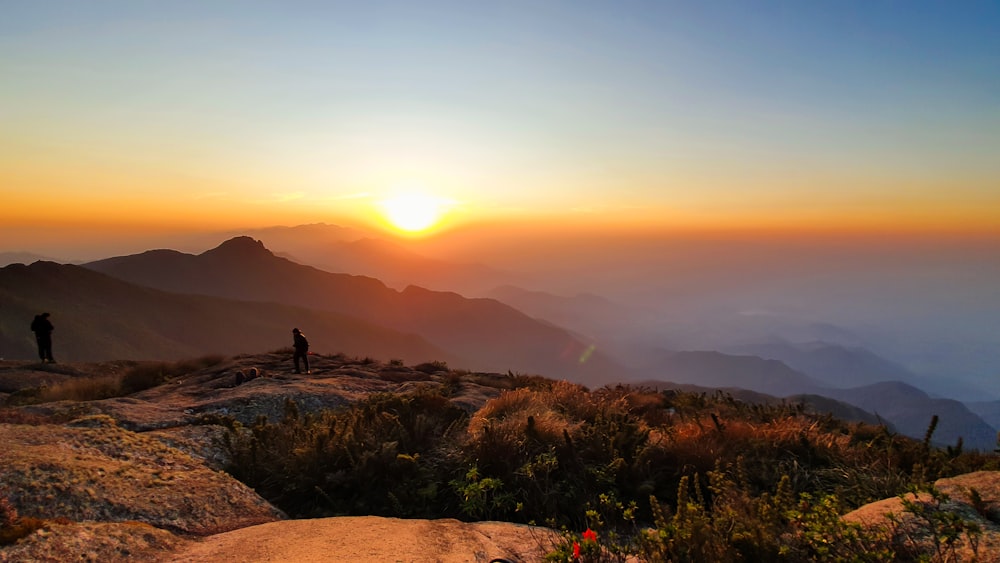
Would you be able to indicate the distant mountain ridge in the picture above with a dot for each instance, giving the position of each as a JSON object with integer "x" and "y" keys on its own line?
{"x": 8, "y": 258}
{"x": 842, "y": 366}
{"x": 715, "y": 369}
{"x": 493, "y": 335}
{"x": 911, "y": 409}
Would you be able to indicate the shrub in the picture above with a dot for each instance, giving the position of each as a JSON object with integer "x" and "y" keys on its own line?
{"x": 385, "y": 455}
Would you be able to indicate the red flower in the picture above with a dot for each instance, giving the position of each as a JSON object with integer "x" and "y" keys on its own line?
{"x": 590, "y": 535}
{"x": 576, "y": 550}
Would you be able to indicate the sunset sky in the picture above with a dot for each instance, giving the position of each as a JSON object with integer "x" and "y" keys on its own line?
{"x": 205, "y": 114}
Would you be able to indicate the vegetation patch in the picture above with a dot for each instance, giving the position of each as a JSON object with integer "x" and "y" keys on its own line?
{"x": 666, "y": 476}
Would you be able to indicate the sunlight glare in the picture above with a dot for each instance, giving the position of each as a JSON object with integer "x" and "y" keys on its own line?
{"x": 413, "y": 212}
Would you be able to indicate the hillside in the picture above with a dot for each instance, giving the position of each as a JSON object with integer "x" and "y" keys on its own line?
{"x": 98, "y": 317}
{"x": 486, "y": 333}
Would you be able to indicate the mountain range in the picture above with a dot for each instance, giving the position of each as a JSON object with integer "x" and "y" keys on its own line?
{"x": 241, "y": 297}
{"x": 842, "y": 366}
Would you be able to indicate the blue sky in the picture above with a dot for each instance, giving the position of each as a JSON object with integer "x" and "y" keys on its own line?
{"x": 745, "y": 112}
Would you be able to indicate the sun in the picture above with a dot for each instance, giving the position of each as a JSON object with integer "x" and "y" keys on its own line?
{"x": 413, "y": 212}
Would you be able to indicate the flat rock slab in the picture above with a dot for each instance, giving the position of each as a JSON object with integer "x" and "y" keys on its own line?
{"x": 373, "y": 538}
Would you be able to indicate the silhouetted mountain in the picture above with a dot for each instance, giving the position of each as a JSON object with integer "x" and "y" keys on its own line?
{"x": 911, "y": 409}
{"x": 98, "y": 317}
{"x": 494, "y": 336}
{"x": 841, "y": 366}
{"x": 8, "y": 258}
{"x": 714, "y": 369}
{"x": 313, "y": 233}
{"x": 352, "y": 251}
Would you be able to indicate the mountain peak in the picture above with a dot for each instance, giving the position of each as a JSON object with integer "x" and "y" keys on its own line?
{"x": 242, "y": 247}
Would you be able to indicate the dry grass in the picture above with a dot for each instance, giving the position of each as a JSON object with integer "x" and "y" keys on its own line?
{"x": 137, "y": 378}
{"x": 523, "y": 414}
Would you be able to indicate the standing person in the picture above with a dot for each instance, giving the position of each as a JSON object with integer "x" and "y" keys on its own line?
{"x": 43, "y": 328}
{"x": 301, "y": 346}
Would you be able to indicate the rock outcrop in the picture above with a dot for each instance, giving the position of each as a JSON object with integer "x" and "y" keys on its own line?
{"x": 974, "y": 498}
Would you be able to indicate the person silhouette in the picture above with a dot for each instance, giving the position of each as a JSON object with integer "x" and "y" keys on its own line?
{"x": 43, "y": 328}
{"x": 301, "y": 346}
